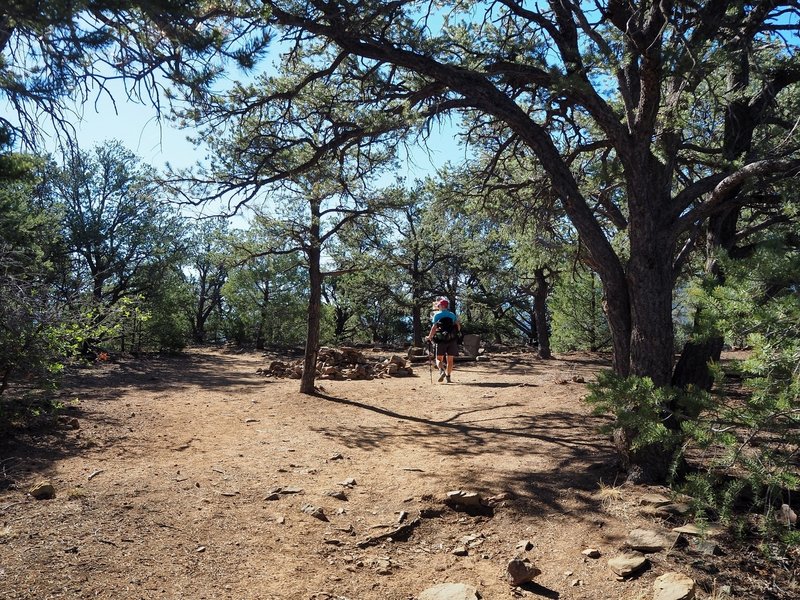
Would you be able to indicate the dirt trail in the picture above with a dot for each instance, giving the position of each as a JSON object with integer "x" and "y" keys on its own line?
{"x": 188, "y": 478}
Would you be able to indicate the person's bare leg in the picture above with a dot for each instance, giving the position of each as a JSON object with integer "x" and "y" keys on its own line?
{"x": 442, "y": 368}
{"x": 450, "y": 362}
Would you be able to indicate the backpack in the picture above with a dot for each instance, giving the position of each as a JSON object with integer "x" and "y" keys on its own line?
{"x": 444, "y": 331}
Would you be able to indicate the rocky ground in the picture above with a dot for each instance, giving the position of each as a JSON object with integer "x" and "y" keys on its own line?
{"x": 209, "y": 476}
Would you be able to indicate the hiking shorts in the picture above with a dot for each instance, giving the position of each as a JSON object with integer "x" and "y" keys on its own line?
{"x": 449, "y": 348}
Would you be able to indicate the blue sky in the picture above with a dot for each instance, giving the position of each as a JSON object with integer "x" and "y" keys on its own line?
{"x": 158, "y": 141}
{"x": 138, "y": 127}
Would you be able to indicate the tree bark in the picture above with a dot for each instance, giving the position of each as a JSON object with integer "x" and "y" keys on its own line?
{"x": 314, "y": 254}
{"x": 652, "y": 335}
{"x": 314, "y": 317}
{"x": 650, "y": 282}
{"x": 651, "y": 355}
{"x": 540, "y": 314}
{"x": 262, "y": 317}
{"x": 418, "y": 331}
{"x": 340, "y": 318}
{"x": 416, "y": 324}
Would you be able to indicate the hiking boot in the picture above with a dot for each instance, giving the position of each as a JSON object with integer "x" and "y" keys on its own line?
{"x": 448, "y": 378}
{"x": 442, "y": 375}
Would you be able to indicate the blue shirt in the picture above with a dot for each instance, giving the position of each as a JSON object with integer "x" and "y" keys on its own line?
{"x": 445, "y": 313}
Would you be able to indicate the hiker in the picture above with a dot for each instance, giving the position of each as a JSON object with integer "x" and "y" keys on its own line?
{"x": 444, "y": 334}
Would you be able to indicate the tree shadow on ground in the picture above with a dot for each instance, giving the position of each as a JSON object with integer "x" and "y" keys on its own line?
{"x": 155, "y": 374}
{"x": 566, "y": 454}
{"x": 528, "y": 364}
{"x": 33, "y": 442}
{"x": 492, "y": 384}
{"x": 527, "y": 426}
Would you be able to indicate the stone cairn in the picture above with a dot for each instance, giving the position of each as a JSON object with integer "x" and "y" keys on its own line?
{"x": 343, "y": 364}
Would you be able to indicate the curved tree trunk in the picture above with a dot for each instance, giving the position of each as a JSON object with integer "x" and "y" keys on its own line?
{"x": 616, "y": 306}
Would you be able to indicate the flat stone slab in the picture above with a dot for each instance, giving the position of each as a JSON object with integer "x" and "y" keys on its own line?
{"x": 678, "y": 509}
{"x": 463, "y": 498}
{"x": 647, "y": 540}
{"x": 450, "y": 591}
{"x": 674, "y": 586}
{"x": 692, "y": 529}
{"x": 628, "y": 563}
{"x": 707, "y": 547}
{"x": 655, "y": 500}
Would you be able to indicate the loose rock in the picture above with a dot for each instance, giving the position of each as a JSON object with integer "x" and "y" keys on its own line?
{"x": 461, "y": 498}
{"x": 383, "y": 566}
{"x": 692, "y": 529}
{"x": 674, "y": 586}
{"x": 315, "y": 511}
{"x": 628, "y": 563}
{"x": 677, "y": 509}
{"x": 473, "y": 540}
{"x": 525, "y": 545}
{"x": 647, "y": 540}
{"x": 468, "y": 502}
{"x": 43, "y": 490}
{"x": 520, "y": 570}
{"x": 706, "y": 547}
{"x": 786, "y": 515}
{"x": 342, "y": 363}
{"x": 655, "y": 500}
{"x": 69, "y": 422}
{"x": 499, "y": 500}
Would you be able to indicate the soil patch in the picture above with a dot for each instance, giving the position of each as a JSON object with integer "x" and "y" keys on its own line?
{"x": 197, "y": 477}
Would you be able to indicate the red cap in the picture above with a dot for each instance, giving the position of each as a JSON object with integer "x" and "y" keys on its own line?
{"x": 444, "y": 302}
